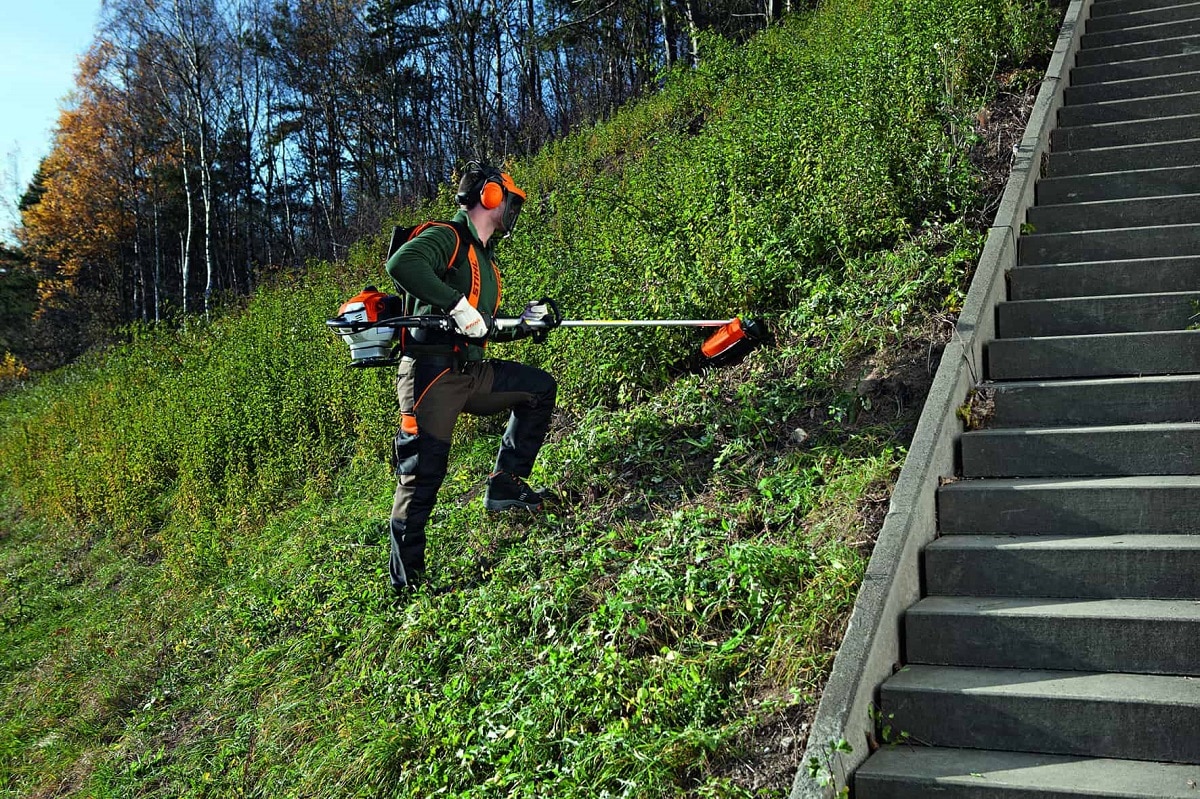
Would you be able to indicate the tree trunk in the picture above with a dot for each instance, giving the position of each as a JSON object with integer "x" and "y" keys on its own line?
{"x": 186, "y": 237}
{"x": 668, "y": 57}
{"x": 157, "y": 263}
{"x": 206, "y": 198}
{"x": 693, "y": 34}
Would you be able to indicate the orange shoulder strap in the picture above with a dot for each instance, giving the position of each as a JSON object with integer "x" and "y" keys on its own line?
{"x": 421, "y": 228}
{"x": 473, "y": 297}
{"x": 499, "y": 285}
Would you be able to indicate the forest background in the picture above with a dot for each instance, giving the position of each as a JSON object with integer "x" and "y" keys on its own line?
{"x": 210, "y": 141}
{"x": 193, "y": 595}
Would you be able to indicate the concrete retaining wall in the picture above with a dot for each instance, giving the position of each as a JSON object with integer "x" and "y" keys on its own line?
{"x": 872, "y": 646}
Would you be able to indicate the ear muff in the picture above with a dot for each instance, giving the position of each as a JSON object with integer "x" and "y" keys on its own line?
{"x": 487, "y": 186}
{"x": 491, "y": 194}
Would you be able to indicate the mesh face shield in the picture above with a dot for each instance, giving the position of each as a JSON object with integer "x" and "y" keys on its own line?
{"x": 510, "y": 212}
{"x": 514, "y": 198}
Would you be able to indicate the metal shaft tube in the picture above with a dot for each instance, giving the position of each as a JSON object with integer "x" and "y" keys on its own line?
{"x": 504, "y": 324}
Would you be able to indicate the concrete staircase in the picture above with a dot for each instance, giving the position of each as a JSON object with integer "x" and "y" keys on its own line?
{"x": 1056, "y": 651}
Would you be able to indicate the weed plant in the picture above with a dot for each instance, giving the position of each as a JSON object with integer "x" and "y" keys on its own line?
{"x": 193, "y": 597}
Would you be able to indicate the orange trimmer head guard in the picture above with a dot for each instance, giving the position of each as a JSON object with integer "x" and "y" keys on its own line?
{"x": 733, "y": 341}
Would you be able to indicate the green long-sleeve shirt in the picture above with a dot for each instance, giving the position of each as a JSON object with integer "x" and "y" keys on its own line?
{"x": 423, "y": 268}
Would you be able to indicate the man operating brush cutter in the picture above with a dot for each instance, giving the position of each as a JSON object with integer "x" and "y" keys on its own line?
{"x": 449, "y": 268}
{"x": 437, "y": 329}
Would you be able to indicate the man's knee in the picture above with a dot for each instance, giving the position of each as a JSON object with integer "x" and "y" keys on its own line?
{"x": 420, "y": 455}
{"x": 417, "y": 484}
{"x": 515, "y": 377}
{"x": 546, "y": 388}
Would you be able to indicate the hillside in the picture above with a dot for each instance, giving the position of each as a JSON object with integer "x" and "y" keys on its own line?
{"x": 193, "y": 593}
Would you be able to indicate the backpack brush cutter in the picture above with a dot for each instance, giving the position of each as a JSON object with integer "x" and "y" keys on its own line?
{"x": 371, "y": 323}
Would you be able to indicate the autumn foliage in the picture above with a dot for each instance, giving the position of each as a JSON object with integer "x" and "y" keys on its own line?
{"x": 75, "y": 234}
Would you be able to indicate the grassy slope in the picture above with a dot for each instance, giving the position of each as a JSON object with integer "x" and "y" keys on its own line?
{"x": 192, "y": 562}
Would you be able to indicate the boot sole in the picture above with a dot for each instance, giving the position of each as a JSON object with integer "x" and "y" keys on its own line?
{"x": 506, "y": 504}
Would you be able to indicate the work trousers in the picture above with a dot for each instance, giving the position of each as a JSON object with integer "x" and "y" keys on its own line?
{"x": 433, "y": 391}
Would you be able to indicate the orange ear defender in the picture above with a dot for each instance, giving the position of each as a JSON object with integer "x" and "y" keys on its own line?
{"x": 487, "y": 186}
{"x": 491, "y": 194}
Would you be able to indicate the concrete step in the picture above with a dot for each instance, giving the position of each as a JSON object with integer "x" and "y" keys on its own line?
{"x": 1151, "y": 241}
{"x": 1112, "y": 451}
{"x": 1107, "y": 401}
{"x": 1106, "y": 8}
{"x": 1130, "y": 89}
{"x": 1094, "y": 54}
{"x": 1139, "y": 68}
{"x": 1155, "y": 32}
{"x": 1118, "y": 185}
{"x": 1103, "y": 355}
{"x": 1141, "y": 108}
{"x": 1120, "y": 133}
{"x": 1092, "y": 278}
{"x": 1071, "y": 567}
{"x": 1179, "y": 209}
{"x": 921, "y": 772}
{"x": 1076, "y": 505}
{"x": 1126, "y": 716}
{"x": 1156, "y": 155}
{"x": 1144, "y": 16}
{"x": 1132, "y": 636}
{"x": 1115, "y": 313}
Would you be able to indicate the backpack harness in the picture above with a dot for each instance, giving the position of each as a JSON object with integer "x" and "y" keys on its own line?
{"x": 401, "y": 235}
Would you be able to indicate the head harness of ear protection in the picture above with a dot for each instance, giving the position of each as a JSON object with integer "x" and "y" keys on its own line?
{"x": 487, "y": 186}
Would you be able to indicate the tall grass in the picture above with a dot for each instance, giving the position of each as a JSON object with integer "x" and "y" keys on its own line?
{"x": 192, "y": 556}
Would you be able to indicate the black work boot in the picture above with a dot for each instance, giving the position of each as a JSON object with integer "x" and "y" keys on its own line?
{"x": 505, "y": 490}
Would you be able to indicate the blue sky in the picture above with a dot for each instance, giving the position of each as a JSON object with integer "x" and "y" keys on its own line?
{"x": 40, "y": 45}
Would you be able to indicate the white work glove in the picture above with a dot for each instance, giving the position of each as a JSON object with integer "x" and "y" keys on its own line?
{"x": 468, "y": 320}
{"x": 535, "y": 313}
{"x": 538, "y": 319}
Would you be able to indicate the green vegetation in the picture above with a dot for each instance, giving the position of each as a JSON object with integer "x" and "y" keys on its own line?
{"x": 193, "y": 597}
